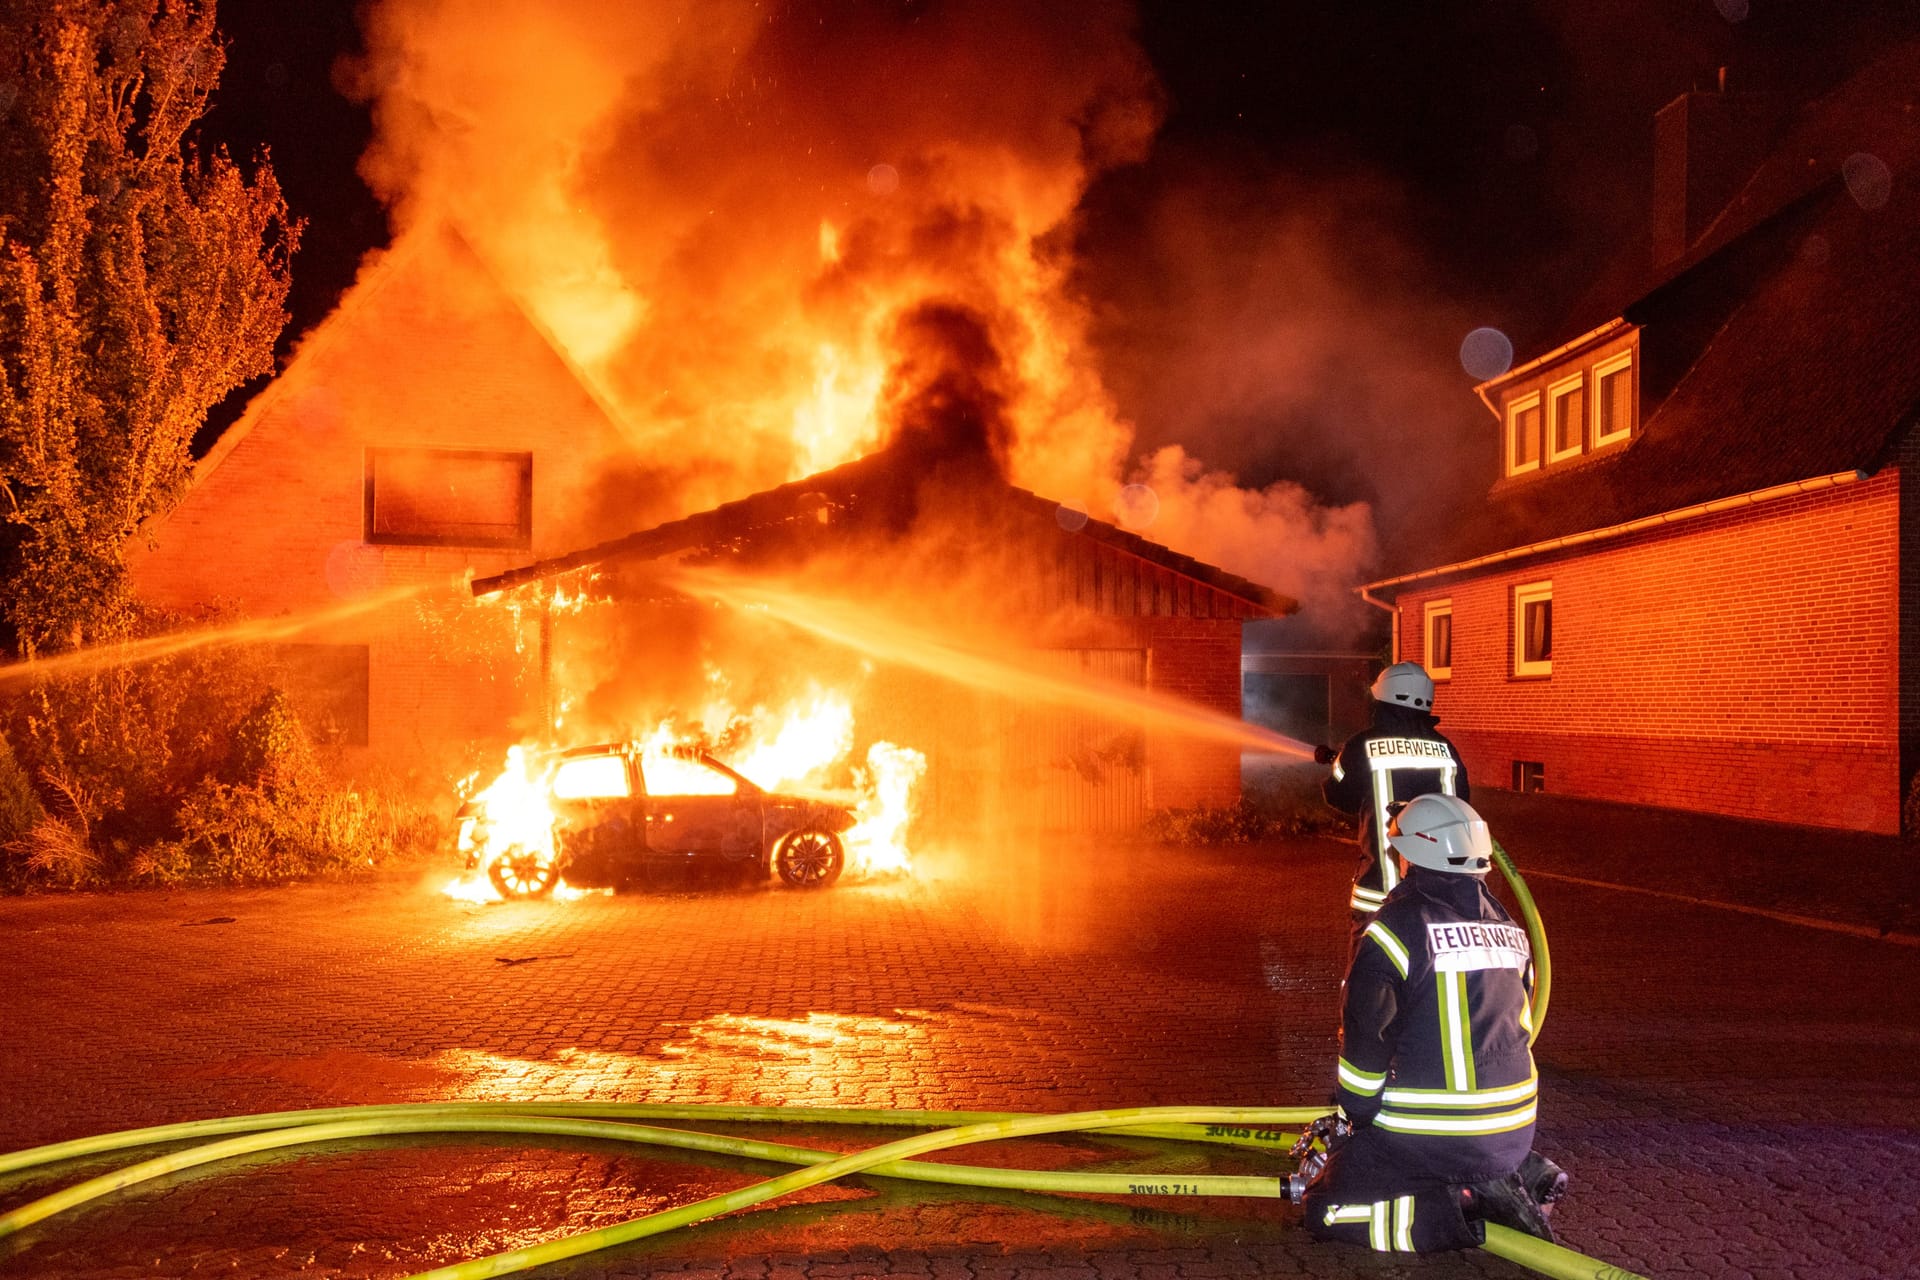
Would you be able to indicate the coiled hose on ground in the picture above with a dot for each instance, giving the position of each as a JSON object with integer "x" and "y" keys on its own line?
{"x": 1237, "y": 1126}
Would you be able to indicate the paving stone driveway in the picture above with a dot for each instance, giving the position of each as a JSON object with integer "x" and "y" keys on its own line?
{"x": 1735, "y": 1096}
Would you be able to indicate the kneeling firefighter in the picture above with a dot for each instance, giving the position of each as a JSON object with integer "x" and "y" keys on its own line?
{"x": 1436, "y": 1071}
{"x": 1399, "y": 755}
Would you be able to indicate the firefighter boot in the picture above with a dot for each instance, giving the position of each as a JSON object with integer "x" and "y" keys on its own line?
{"x": 1507, "y": 1202}
{"x": 1545, "y": 1180}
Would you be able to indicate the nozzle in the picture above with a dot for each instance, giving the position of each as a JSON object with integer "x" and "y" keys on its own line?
{"x": 1325, "y": 755}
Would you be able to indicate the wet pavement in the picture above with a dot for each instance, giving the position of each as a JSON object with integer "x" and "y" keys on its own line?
{"x": 1734, "y": 1094}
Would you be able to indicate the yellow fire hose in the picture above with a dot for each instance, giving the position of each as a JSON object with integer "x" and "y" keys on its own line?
{"x": 1240, "y": 1126}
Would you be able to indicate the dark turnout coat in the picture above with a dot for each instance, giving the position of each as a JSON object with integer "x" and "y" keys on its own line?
{"x": 1436, "y": 1070}
{"x": 1399, "y": 756}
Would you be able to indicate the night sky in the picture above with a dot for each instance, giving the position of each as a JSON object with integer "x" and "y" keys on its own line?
{"x": 1503, "y": 146}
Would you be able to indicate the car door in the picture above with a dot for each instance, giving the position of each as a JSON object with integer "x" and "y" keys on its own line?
{"x": 597, "y": 814}
{"x": 694, "y": 807}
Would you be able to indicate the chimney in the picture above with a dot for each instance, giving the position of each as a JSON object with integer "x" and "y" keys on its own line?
{"x": 1705, "y": 146}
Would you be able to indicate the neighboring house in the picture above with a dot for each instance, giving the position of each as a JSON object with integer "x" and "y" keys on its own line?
{"x": 426, "y": 429}
{"x": 1083, "y": 598}
{"x": 1695, "y": 580}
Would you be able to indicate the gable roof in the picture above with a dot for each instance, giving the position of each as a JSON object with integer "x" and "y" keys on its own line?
{"x": 883, "y": 487}
{"x": 1786, "y": 347}
{"x": 361, "y": 298}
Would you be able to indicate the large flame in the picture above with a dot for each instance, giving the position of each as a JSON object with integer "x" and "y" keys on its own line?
{"x": 800, "y": 749}
{"x": 727, "y": 214}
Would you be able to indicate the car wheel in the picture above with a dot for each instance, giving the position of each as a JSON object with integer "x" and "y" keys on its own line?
{"x": 810, "y": 859}
{"x": 524, "y": 873}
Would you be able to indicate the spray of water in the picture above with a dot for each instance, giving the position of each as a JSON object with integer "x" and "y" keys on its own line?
{"x": 244, "y": 631}
{"x": 889, "y": 640}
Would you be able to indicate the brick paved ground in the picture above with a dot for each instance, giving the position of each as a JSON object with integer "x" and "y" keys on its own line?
{"x": 1734, "y": 1095}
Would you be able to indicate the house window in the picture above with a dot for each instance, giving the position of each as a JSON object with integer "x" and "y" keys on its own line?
{"x": 1567, "y": 411}
{"x": 1439, "y": 630}
{"x": 1523, "y": 434}
{"x": 1529, "y": 775}
{"x": 1614, "y": 399}
{"x": 1533, "y": 629}
{"x": 449, "y": 498}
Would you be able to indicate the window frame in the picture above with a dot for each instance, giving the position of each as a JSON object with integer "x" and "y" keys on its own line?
{"x": 1431, "y": 610}
{"x": 1515, "y": 407}
{"x": 1556, "y": 393}
{"x": 520, "y": 540}
{"x": 1601, "y": 369}
{"x": 1525, "y": 594}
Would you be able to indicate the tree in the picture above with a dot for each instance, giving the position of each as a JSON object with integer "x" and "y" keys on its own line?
{"x": 140, "y": 281}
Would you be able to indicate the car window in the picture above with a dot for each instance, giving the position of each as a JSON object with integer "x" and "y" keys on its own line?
{"x": 591, "y": 778}
{"x": 678, "y": 776}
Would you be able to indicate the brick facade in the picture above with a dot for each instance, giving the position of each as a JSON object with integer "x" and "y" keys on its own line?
{"x": 1196, "y": 660}
{"x": 1745, "y": 663}
{"x": 424, "y": 352}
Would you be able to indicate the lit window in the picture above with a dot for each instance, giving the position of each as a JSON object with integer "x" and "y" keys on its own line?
{"x": 591, "y": 778}
{"x": 1567, "y": 414}
{"x": 449, "y": 498}
{"x": 1523, "y": 433}
{"x": 1533, "y": 629}
{"x": 1439, "y": 652}
{"x": 1613, "y": 393}
{"x": 671, "y": 775}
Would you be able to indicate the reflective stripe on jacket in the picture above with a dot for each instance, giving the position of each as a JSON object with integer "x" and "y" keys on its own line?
{"x": 1397, "y": 757}
{"x": 1434, "y": 1032}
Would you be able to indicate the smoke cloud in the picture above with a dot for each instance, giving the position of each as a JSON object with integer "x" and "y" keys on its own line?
{"x": 776, "y": 235}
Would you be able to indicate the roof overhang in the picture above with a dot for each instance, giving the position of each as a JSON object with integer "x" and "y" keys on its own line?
{"x": 1662, "y": 520}
{"x": 1593, "y": 337}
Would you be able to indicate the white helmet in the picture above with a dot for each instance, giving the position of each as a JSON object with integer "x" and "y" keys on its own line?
{"x": 1404, "y": 684}
{"x": 1442, "y": 833}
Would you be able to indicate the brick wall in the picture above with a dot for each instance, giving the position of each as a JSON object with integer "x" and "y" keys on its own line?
{"x": 1196, "y": 660}
{"x": 424, "y": 352}
{"x": 1744, "y": 663}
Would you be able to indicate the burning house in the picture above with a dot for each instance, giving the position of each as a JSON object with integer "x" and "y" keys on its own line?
{"x": 1695, "y": 579}
{"x": 425, "y": 433}
{"x": 426, "y": 429}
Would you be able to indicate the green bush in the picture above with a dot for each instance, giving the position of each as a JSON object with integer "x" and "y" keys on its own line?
{"x": 193, "y": 767}
{"x": 1276, "y": 803}
{"x": 20, "y": 808}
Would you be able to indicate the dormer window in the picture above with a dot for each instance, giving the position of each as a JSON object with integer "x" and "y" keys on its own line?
{"x": 1613, "y": 399}
{"x": 1567, "y": 414}
{"x": 1569, "y": 404}
{"x": 1523, "y": 433}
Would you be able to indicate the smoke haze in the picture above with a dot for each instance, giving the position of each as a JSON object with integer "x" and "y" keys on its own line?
{"x": 738, "y": 220}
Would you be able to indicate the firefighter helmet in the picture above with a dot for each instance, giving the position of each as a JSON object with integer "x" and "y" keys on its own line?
{"x": 1404, "y": 684}
{"x": 1442, "y": 833}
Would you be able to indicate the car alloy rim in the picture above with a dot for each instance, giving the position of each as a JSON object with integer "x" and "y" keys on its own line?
{"x": 810, "y": 855}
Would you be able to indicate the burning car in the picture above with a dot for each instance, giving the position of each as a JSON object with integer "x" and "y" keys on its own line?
{"x": 608, "y": 815}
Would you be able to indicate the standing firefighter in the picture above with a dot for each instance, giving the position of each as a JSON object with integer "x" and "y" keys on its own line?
{"x": 1398, "y": 756}
{"x": 1436, "y": 1070}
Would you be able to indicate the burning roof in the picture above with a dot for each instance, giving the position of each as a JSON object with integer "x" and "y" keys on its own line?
{"x": 884, "y": 494}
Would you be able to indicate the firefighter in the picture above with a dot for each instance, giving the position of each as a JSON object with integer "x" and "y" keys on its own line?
{"x": 1436, "y": 1071}
{"x": 1398, "y": 756}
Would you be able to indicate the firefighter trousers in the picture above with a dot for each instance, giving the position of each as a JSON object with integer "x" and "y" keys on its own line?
{"x": 1366, "y": 1195}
